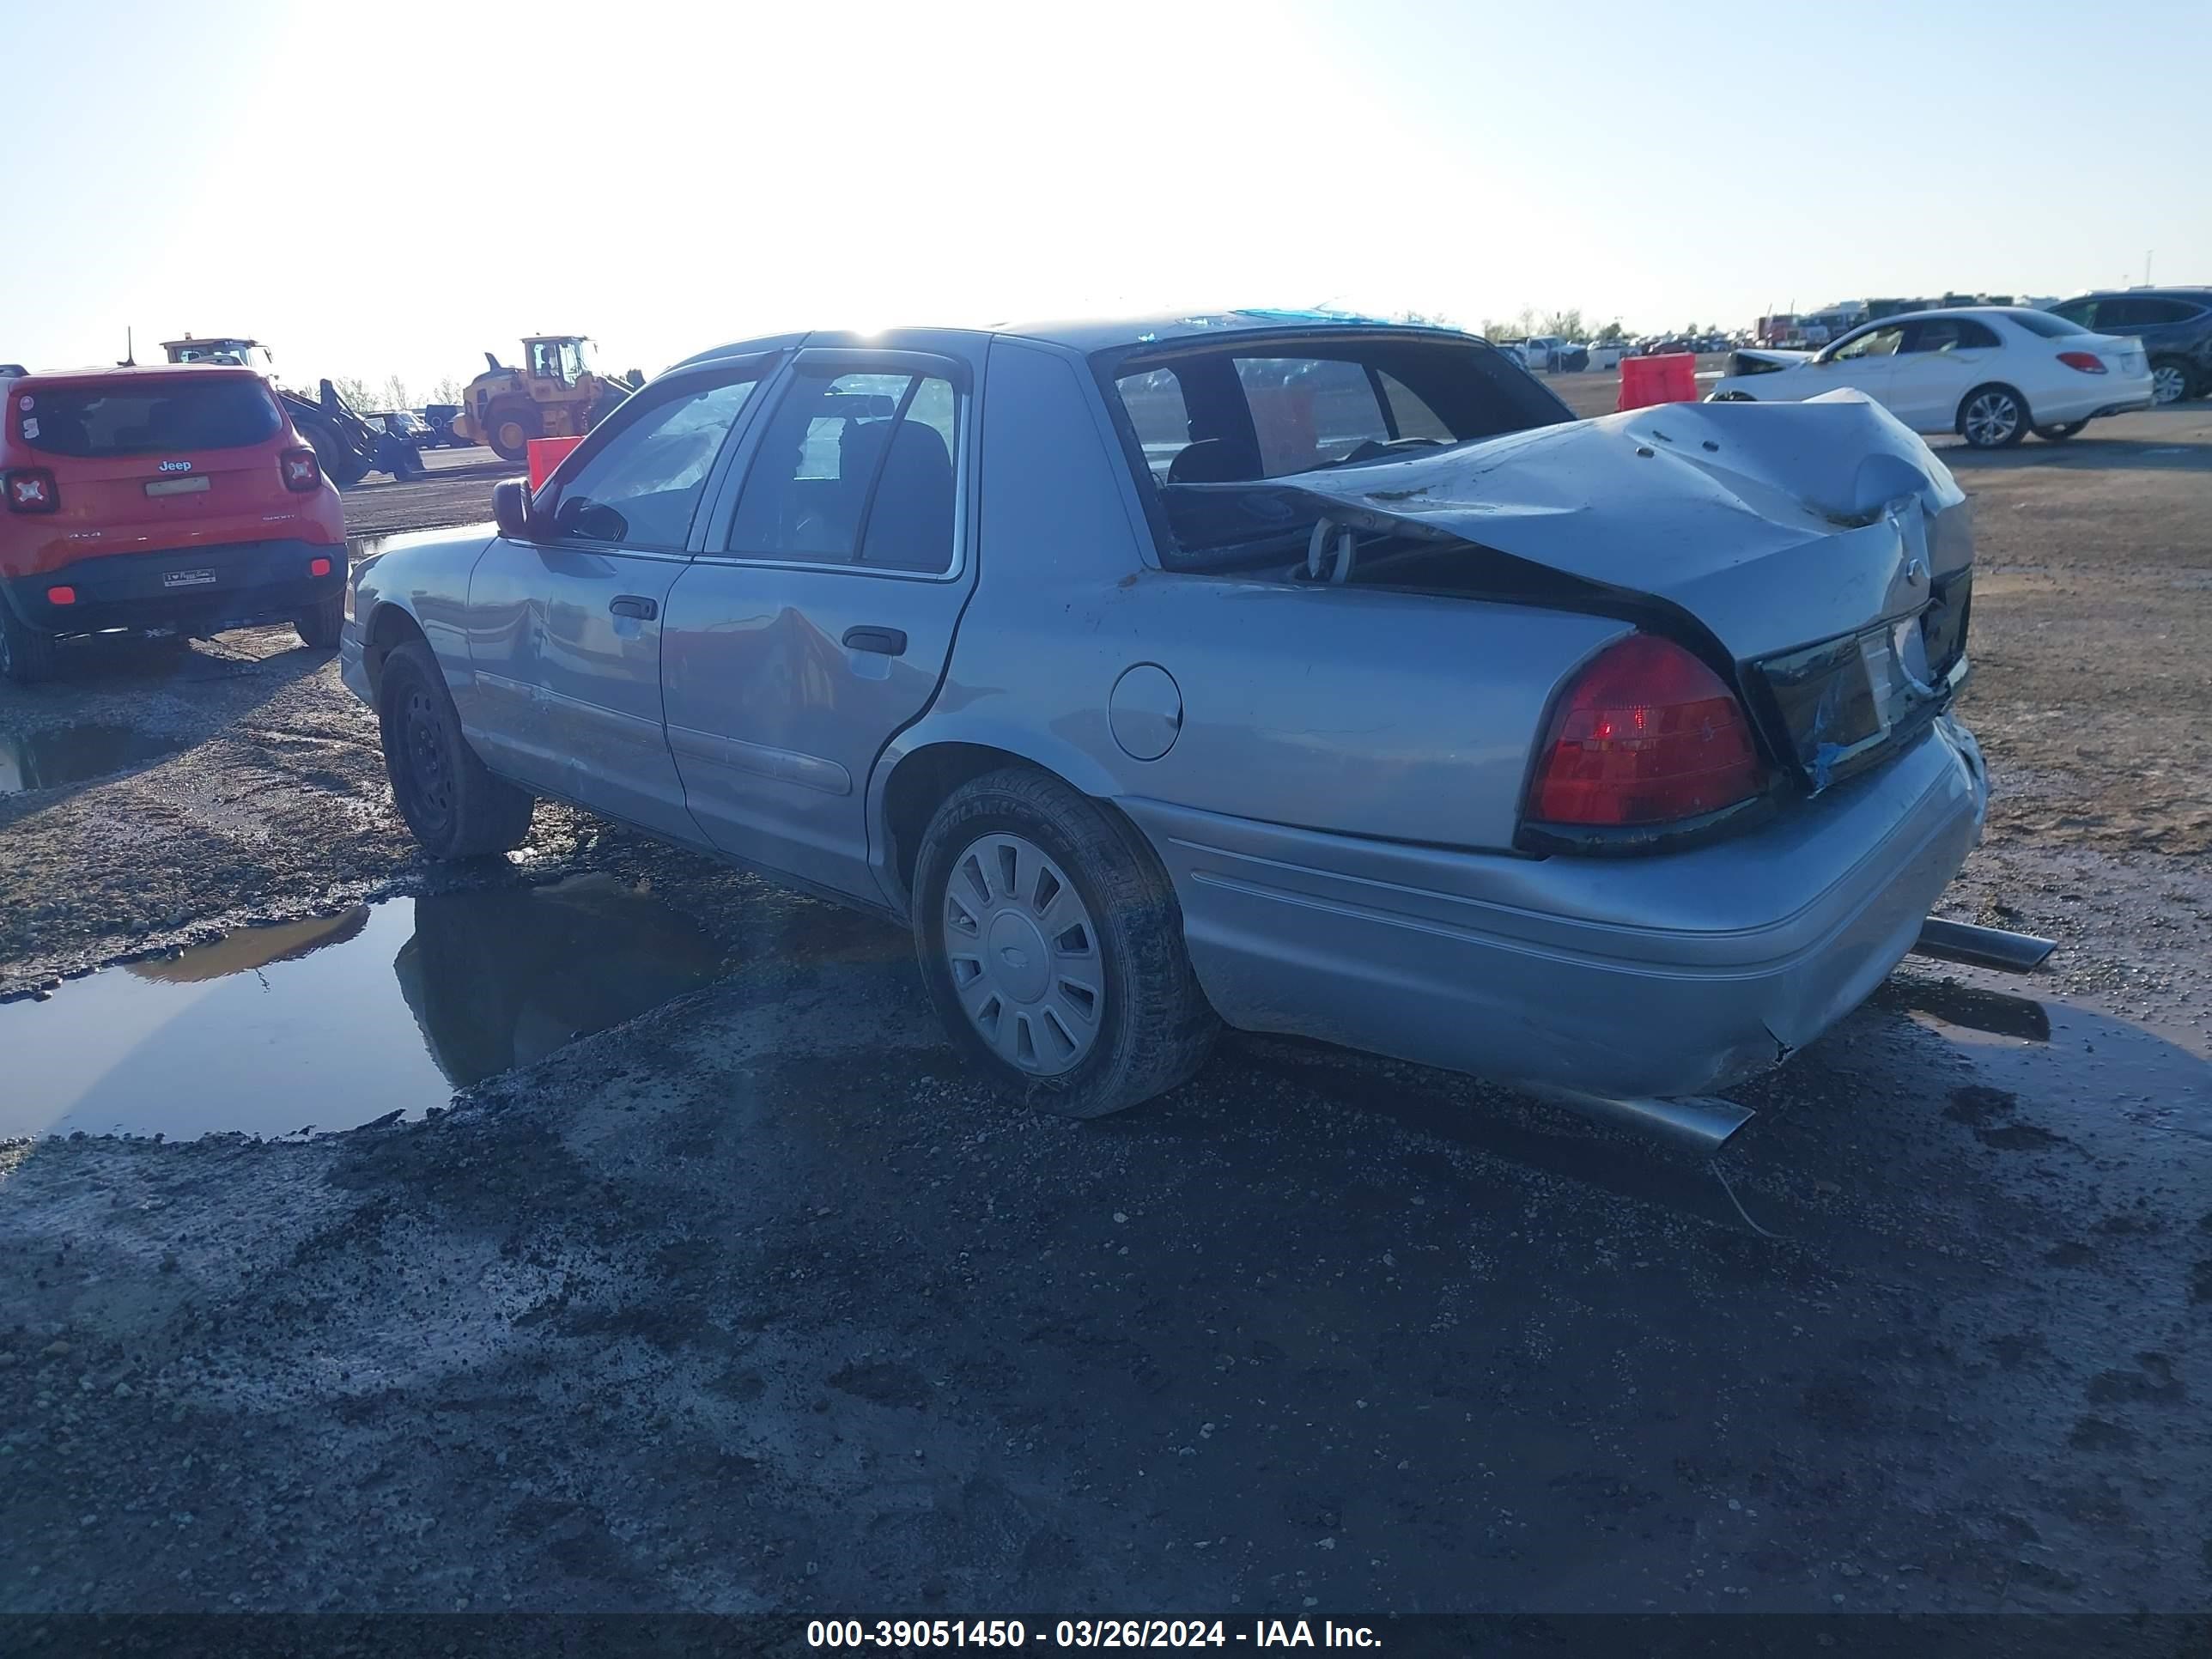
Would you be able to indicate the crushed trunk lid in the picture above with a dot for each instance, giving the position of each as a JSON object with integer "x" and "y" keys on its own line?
{"x": 1821, "y": 546}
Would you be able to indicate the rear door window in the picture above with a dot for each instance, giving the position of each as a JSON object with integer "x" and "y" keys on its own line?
{"x": 1947, "y": 334}
{"x": 642, "y": 488}
{"x": 857, "y": 469}
{"x": 2151, "y": 313}
{"x": 160, "y": 418}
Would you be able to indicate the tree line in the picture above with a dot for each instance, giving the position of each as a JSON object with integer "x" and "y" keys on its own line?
{"x": 392, "y": 393}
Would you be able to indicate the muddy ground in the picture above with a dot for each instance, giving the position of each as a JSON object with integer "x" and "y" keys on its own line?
{"x": 757, "y": 1302}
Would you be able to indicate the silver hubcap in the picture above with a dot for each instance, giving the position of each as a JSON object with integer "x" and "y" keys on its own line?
{"x": 1023, "y": 955}
{"x": 1992, "y": 419}
{"x": 2167, "y": 384}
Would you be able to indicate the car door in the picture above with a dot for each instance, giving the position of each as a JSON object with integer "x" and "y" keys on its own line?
{"x": 1939, "y": 361}
{"x": 816, "y": 622}
{"x": 565, "y": 628}
{"x": 1864, "y": 359}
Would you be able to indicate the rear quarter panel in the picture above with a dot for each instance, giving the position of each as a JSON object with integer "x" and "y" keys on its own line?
{"x": 1357, "y": 711}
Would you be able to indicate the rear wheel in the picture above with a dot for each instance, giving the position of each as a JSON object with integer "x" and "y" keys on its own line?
{"x": 2170, "y": 380}
{"x": 455, "y": 808}
{"x": 2059, "y": 434}
{"x": 320, "y": 627}
{"x": 26, "y": 656}
{"x": 1993, "y": 418}
{"x": 512, "y": 423}
{"x": 1051, "y": 945}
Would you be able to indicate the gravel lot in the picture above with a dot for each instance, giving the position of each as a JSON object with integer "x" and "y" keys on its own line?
{"x": 756, "y": 1303}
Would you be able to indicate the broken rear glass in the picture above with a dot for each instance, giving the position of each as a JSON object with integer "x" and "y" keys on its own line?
{"x": 1251, "y": 409}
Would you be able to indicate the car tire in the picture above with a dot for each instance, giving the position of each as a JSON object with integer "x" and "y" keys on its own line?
{"x": 2171, "y": 381}
{"x": 1993, "y": 416}
{"x": 454, "y": 806}
{"x": 2054, "y": 434}
{"x": 26, "y": 656}
{"x": 320, "y": 627}
{"x": 512, "y": 423}
{"x": 1110, "y": 1013}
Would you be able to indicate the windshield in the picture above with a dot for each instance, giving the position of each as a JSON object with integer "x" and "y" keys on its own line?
{"x": 2049, "y": 324}
{"x": 168, "y": 417}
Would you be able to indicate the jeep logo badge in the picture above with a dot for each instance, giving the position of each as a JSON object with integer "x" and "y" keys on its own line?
{"x": 176, "y": 466}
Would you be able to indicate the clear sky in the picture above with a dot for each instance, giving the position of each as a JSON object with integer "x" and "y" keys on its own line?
{"x": 374, "y": 190}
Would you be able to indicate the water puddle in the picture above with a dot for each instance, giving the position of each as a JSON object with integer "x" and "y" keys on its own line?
{"x": 331, "y": 1022}
{"x": 76, "y": 754}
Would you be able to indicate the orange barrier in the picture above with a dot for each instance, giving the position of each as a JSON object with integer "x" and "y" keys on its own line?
{"x": 1671, "y": 379}
{"x": 545, "y": 454}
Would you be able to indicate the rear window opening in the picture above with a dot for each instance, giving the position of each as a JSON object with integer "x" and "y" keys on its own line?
{"x": 1261, "y": 407}
{"x": 173, "y": 416}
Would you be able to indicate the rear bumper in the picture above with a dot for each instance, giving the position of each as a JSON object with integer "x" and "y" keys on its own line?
{"x": 231, "y": 585}
{"x": 1668, "y": 976}
{"x": 2099, "y": 395}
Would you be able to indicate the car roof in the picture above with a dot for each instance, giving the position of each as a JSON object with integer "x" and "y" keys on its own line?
{"x": 1086, "y": 334}
{"x": 131, "y": 372}
{"x": 1953, "y": 311}
{"x": 2175, "y": 291}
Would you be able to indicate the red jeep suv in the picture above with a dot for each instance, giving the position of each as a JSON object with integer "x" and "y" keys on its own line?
{"x": 167, "y": 498}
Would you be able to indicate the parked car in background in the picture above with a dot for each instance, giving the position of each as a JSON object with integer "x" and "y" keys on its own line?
{"x": 1605, "y": 353}
{"x": 1990, "y": 374}
{"x": 2173, "y": 324}
{"x": 402, "y": 424}
{"x": 439, "y": 417}
{"x": 1552, "y": 354}
{"x": 1217, "y": 704}
{"x": 159, "y": 499}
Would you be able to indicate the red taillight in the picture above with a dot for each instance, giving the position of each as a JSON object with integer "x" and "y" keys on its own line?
{"x": 319, "y": 567}
{"x": 2088, "y": 362}
{"x": 302, "y": 471}
{"x": 30, "y": 489}
{"x": 61, "y": 596}
{"x": 1646, "y": 734}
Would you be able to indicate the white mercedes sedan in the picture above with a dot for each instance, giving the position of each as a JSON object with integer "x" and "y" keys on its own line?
{"x": 1990, "y": 374}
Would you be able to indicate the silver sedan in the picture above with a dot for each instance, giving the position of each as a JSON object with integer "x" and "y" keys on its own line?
{"x": 1286, "y": 673}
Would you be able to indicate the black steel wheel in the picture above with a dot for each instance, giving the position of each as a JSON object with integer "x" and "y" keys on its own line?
{"x": 452, "y": 803}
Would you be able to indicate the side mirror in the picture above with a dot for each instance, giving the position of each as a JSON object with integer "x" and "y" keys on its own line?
{"x": 510, "y": 510}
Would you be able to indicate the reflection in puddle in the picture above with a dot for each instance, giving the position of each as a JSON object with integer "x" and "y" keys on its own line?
{"x": 75, "y": 754}
{"x": 1998, "y": 1012}
{"x": 337, "y": 1020}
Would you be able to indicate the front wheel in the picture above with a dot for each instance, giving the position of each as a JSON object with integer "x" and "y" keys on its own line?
{"x": 1051, "y": 945}
{"x": 455, "y": 807}
{"x": 2053, "y": 435}
{"x": 1993, "y": 418}
{"x": 2169, "y": 381}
